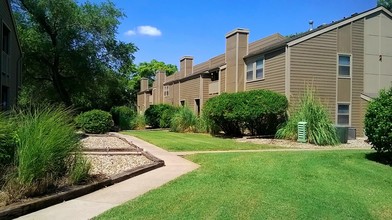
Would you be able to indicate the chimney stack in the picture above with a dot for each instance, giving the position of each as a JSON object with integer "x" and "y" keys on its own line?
{"x": 186, "y": 66}
{"x": 236, "y": 49}
{"x": 143, "y": 84}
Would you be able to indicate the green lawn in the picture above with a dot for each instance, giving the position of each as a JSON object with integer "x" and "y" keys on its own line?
{"x": 271, "y": 185}
{"x": 173, "y": 141}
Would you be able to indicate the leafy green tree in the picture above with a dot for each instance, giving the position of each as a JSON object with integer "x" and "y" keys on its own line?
{"x": 71, "y": 54}
{"x": 386, "y": 3}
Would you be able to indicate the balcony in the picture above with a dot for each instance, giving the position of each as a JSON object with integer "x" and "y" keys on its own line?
{"x": 213, "y": 88}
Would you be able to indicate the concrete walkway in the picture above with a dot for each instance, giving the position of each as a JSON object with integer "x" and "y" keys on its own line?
{"x": 95, "y": 203}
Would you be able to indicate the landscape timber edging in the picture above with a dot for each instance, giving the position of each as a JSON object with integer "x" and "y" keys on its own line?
{"x": 14, "y": 211}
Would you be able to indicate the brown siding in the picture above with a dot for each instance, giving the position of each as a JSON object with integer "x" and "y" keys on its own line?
{"x": 217, "y": 61}
{"x": 12, "y": 79}
{"x": 223, "y": 80}
{"x": 358, "y": 109}
{"x": 344, "y": 39}
{"x": 206, "y": 82}
{"x": 265, "y": 42}
{"x": 344, "y": 90}
{"x": 314, "y": 62}
{"x": 176, "y": 98}
{"x": 190, "y": 91}
{"x": 201, "y": 67}
{"x": 274, "y": 70}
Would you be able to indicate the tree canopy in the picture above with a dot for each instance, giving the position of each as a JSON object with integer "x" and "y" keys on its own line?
{"x": 71, "y": 54}
{"x": 386, "y": 3}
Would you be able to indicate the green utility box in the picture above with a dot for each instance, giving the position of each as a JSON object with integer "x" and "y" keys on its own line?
{"x": 302, "y": 132}
{"x": 342, "y": 133}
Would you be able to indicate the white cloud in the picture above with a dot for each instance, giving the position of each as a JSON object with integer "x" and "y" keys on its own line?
{"x": 130, "y": 33}
{"x": 149, "y": 30}
{"x": 144, "y": 30}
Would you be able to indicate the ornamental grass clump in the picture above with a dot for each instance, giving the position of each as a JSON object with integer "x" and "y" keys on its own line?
{"x": 184, "y": 120}
{"x": 46, "y": 144}
{"x": 320, "y": 129}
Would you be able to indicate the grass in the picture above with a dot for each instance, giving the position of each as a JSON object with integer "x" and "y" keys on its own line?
{"x": 173, "y": 141}
{"x": 271, "y": 185}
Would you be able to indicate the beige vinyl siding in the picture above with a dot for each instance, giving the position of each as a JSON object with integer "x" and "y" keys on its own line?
{"x": 357, "y": 110}
{"x": 265, "y": 42}
{"x": 344, "y": 90}
{"x": 206, "y": 82}
{"x": 274, "y": 73}
{"x": 313, "y": 62}
{"x": 169, "y": 98}
{"x": 176, "y": 98}
{"x": 190, "y": 91}
{"x": 344, "y": 39}
{"x": 199, "y": 68}
{"x": 217, "y": 61}
{"x": 222, "y": 80}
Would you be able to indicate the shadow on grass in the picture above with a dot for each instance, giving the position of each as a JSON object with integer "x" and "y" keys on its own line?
{"x": 383, "y": 158}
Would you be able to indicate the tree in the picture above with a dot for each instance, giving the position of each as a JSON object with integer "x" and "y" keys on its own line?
{"x": 71, "y": 54}
{"x": 148, "y": 70}
{"x": 386, "y": 3}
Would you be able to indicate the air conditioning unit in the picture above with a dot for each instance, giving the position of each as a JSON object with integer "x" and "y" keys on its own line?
{"x": 5, "y": 63}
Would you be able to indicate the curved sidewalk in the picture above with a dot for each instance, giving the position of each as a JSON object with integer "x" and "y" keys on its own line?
{"x": 93, "y": 204}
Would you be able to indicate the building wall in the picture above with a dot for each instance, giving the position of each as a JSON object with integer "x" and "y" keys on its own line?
{"x": 11, "y": 79}
{"x": 358, "y": 109}
{"x": 189, "y": 91}
{"x": 378, "y": 52}
{"x": 274, "y": 73}
{"x": 313, "y": 62}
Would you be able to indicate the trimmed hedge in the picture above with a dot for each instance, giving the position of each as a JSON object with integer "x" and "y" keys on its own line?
{"x": 378, "y": 122}
{"x": 159, "y": 116}
{"x": 258, "y": 111}
{"x": 123, "y": 116}
{"x": 95, "y": 121}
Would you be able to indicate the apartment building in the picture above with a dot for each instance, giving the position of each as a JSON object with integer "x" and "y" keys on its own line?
{"x": 348, "y": 61}
{"x": 11, "y": 57}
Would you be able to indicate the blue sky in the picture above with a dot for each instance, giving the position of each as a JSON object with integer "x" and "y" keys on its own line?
{"x": 166, "y": 30}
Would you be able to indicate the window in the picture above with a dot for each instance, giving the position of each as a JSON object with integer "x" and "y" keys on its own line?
{"x": 344, "y": 65}
{"x": 255, "y": 70}
{"x": 215, "y": 76}
{"x": 182, "y": 102}
{"x": 343, "y": 114}
{"x": 249, "y": 72}
{"x": 197, "y": 106}
{"x": 166, "y": 91}
{"x": 6, "y": 39}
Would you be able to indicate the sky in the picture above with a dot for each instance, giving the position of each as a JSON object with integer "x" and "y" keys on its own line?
{"x": 167, "y": 30}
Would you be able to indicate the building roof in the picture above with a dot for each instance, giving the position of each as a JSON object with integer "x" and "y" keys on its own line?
{"x": 291, "y": 41}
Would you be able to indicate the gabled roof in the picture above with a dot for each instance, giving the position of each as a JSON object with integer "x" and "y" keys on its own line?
{"x": 319, "y": 30}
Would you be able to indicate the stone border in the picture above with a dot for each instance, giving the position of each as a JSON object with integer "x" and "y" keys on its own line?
{"x": 14, "y": 211}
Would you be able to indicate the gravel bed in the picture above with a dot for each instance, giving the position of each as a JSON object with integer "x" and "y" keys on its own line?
{"x": 106, "y": 141}
{"x": 112, "y": 162}
{"x": 358, "y": 143}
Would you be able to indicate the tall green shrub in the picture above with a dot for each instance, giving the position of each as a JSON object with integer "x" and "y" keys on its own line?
{"x": 139, "y": 122}
{"x": 123, "y": 116}
{"x": 95, "y": 121}
{"x": 154, "y": 113}
{"x": 378, "y": 121}
{"x": 259, "y": 111}
{"x": 46, "y": 144}
{"x": 320, "y": 129}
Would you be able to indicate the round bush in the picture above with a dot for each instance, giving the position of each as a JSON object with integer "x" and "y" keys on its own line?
{"x": 258, "y": 111}
{"x": 159, "y": 116}
{"x": 123, "y": 116}
{"x": 378, "y": 122}
{"x": 95, "y": 121}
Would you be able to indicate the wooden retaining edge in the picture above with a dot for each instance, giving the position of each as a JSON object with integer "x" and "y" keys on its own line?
{"x": 14, "y": 211}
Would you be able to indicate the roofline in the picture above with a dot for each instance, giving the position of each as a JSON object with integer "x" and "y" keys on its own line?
{"x": 14, "y": 24}
{"x": 338, "y": 24}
